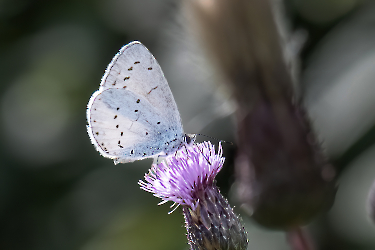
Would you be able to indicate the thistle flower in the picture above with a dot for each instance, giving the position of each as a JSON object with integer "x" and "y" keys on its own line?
{"x": 188, "y": 179}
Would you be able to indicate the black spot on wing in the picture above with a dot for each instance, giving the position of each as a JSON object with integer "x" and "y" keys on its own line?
{"x": 152, "y": 90}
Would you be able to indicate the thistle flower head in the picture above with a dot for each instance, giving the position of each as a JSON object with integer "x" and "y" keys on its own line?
{"x": 183, "y": 176}
{"x": 188, "y": 179}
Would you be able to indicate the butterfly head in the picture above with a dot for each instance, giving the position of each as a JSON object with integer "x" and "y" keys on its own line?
{"x": 190, "y": 138}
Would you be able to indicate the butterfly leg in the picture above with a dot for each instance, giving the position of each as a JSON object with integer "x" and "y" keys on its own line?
{"x": 156, "y": 160}
{"x": 203, "y": 154}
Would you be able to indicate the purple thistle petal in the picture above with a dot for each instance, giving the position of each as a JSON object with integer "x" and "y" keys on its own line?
{"x": 193, "y": 167}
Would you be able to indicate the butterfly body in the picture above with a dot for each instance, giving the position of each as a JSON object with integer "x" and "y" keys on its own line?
{"x": 133, "y": 115}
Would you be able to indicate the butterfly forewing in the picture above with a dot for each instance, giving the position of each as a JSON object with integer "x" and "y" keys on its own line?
{"x": 136, "y": 69}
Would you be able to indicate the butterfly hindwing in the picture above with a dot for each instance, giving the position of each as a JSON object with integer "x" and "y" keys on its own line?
{"x": 126, "y": 125}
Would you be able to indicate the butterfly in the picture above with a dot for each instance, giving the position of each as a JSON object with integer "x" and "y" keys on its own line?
{"x": 133, "y": 114}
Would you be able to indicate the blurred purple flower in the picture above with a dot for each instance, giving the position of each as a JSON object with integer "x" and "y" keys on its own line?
{"x": 188, "y": 179}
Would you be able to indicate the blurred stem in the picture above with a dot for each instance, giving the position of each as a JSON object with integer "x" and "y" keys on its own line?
{"x": 299, "y": 239}
{"x": 360, "y": 146}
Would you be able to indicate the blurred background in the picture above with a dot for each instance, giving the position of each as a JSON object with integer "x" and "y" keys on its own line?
{"x": 57, "y": 192}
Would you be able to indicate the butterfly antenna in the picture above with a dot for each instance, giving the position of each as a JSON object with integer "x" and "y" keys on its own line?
{"x": 228, "y": 142}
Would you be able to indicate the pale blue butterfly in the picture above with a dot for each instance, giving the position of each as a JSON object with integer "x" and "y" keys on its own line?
{"x": 133, "y": 115}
